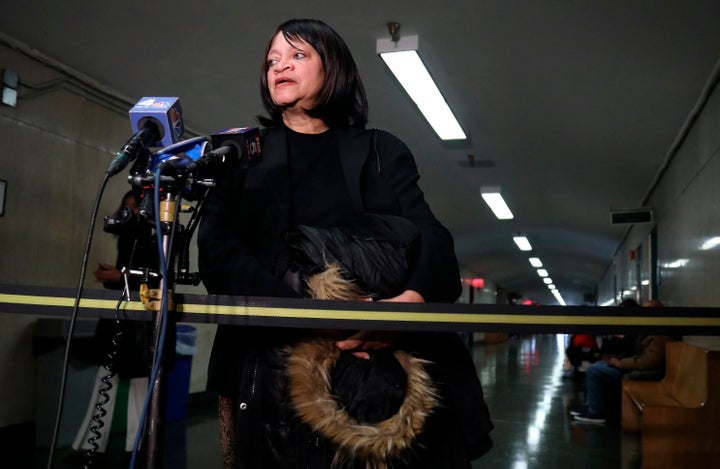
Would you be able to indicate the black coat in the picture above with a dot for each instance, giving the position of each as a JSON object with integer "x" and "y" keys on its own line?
{"x": 241, "y": 239}
{"x": 241, "y": 232}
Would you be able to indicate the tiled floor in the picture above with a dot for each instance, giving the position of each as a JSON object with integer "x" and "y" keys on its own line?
{"x": 528, "y": 400}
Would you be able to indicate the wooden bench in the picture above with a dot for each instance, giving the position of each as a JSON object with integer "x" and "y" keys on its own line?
{"x": 679, "y": 416}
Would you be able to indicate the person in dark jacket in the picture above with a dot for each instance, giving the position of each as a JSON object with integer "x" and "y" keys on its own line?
{"x": 321, "y": 168}
{"x": 604, "y": 377}
{"x": 121, "y": 346}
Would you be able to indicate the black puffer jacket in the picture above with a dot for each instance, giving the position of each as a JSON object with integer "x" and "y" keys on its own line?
{"x": 376, "y": 252}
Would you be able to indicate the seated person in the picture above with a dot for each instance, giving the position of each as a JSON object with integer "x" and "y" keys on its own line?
{"x": 619, "y": 345}
{"x": 604, "y": 378}
{"x": 581, "y": 352}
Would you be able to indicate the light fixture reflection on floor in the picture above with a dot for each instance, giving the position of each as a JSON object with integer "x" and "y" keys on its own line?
{"x": 710, "y": 243}
{"x": 402, "y": 59}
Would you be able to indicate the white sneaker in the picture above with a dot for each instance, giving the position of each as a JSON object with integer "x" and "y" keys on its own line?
{"x": 589, "y": 418}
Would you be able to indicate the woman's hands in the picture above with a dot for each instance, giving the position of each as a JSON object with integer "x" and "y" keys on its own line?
{"x": 361, "y": 341}
{"x": 364, "y": 340}
{"x": 408, "y": 296}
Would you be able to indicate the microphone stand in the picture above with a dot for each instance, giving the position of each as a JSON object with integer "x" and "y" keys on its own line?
{"x": 163, "y": 185}
{"x": 155, "y": 424}
{"x": 154, "y": 429}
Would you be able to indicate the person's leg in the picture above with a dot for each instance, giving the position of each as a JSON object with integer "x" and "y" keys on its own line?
{"x": 136, "y": 400}
{"x": 602, "y": 381}
{"x": 573, "y": 354}
{"x": 226, "y": 414}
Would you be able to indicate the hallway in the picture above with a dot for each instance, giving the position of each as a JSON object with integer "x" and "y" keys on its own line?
{"x": 528, "y": 399}
{"x": 529, "y": 402}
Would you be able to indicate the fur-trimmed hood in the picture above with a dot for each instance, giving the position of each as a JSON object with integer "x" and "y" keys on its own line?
{"x": 309, "y": 367}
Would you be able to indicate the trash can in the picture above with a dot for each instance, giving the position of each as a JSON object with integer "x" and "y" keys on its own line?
{"x": 178, "y": 379}
{"x": 49, "y": 340}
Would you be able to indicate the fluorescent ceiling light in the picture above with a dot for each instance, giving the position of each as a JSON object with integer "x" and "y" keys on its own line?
{"x": 542, "y": 272}
{"x": 535, "y": 262}
{"x": 522, "y": 242}
{"x": 492, "y": 197}
{"x": 404, "y": 62}
{"x": 551, "y": 286}
{"x": 710, "y": 243}
{"x": 547, "y": 280}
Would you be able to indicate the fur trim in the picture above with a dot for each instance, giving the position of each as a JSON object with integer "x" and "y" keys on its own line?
{"x": 309, "y": 366}
{"x": 331, "y": 284}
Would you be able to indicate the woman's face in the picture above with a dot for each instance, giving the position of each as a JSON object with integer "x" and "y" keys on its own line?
{"x": 295, "y": 73}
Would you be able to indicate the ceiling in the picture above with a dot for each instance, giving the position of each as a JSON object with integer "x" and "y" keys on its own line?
{"x": 570, "y": 106}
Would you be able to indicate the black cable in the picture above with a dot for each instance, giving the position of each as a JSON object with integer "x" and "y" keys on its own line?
{"x": 73, "y": 319}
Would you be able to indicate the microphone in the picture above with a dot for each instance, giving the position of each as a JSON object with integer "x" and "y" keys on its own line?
{"x": 238, "y": 143}
{"x": 156, "y": 121}
{"x": 178, "y": 155}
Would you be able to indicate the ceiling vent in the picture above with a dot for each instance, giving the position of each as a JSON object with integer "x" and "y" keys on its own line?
{"x": 638, "y": 215}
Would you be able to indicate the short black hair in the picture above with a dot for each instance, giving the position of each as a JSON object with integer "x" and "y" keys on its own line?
{"x": 342, "y": 101}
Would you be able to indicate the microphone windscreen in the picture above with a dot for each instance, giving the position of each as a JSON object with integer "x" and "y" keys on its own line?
{"x": 245, "y": 140}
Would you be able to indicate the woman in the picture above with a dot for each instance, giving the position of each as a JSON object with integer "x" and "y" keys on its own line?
{"x": 321, "y": 168}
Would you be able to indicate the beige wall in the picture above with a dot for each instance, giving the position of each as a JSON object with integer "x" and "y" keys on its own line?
{"x": 686, "y": 205}
{"x": 55, "y": 147}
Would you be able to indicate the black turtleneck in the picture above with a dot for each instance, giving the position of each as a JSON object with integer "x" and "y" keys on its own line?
{"x": 320, "y": 196}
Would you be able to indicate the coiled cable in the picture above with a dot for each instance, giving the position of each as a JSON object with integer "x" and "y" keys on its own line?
{"x": 109, "y": 366}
